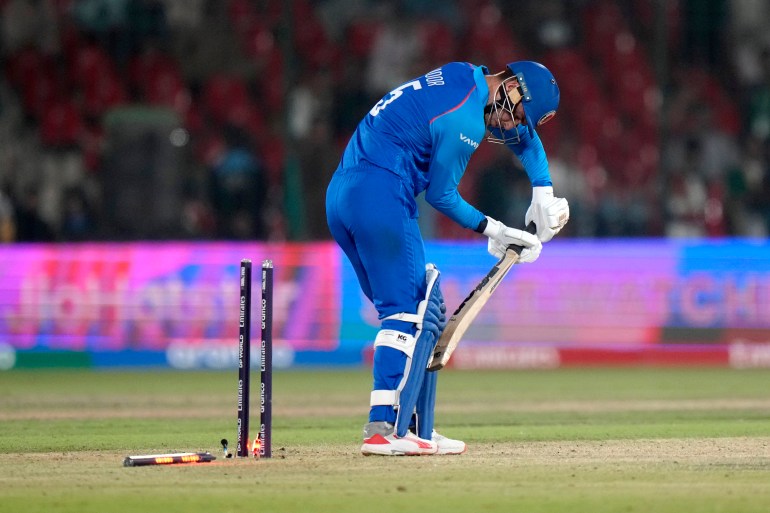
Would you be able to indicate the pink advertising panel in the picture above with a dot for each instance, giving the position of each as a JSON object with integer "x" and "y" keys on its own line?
{"x": 113, "y": 297}
{"x": 599, "y": 301}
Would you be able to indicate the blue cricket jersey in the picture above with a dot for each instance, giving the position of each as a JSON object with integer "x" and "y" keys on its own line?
{"x": 426, "y": 130}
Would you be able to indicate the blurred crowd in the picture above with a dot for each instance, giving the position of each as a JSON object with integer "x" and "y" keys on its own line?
{"x": 663, "y": 129}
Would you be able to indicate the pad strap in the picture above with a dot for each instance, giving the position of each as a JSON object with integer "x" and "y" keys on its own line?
{"x": 415, "y": 318}
{"x": 404, "y": 342}
{"x": 407, "y": 317}
{"x": 384, "y": 398}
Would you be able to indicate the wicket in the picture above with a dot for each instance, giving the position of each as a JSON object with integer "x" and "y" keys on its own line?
{"x": 266, "y": 363}
{"x": 262, "y": 446}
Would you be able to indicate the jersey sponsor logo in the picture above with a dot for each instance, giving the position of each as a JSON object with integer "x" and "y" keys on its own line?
{"x": 469, "y": 141}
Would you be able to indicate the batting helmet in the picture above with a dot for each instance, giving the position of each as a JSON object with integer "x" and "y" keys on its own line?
{"x": 540, "y": 92}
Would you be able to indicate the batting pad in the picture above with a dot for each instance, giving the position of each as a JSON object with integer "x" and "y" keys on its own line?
{"x": 416, "y": 366}
{"x": 426, "y": 403}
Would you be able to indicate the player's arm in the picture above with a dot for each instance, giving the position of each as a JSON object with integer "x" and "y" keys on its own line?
{"x": 451, "y": 153}
{"x": 548, "y": 212}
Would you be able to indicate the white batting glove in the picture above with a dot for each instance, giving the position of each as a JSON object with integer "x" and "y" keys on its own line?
{"x": 548, "y": 212}
{"x": 501, "y": 236}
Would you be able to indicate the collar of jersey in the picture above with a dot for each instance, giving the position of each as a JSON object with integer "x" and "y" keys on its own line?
{"x": 482, "y": 89}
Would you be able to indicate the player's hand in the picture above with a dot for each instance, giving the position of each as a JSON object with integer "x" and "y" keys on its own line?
{"x": 548, "y": 212}
{"x": 501, "y": 236}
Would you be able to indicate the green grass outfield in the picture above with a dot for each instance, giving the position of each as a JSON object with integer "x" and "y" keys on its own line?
{"x": 589, "y": 440}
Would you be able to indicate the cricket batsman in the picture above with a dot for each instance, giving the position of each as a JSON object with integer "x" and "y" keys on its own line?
{"x": 420, "y": 137}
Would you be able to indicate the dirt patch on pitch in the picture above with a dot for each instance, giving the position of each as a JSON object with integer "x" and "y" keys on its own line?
{"x": 729, "y": 452}
{"x": 753, "y": 451}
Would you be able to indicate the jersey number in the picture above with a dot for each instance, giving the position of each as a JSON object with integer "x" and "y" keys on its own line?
{"x": 393, "y": 96}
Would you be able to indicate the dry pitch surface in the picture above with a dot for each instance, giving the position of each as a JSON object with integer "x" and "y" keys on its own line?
{"x": 599, "y": 440}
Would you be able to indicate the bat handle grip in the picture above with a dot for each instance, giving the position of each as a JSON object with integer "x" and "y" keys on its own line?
{"x": 531, "y": 228}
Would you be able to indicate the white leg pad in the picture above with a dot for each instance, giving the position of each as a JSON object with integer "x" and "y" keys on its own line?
{"x": 404, "y": 342}
{"x": 384, "y": 398}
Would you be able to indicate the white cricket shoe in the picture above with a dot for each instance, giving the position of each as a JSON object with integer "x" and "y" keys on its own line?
{"x": 447, "y": 445}
{"x": 380, "y": 439}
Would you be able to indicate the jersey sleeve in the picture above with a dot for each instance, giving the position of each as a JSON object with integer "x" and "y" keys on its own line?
{"x": 532, "y": 155}
{"x": 452, "y": 149}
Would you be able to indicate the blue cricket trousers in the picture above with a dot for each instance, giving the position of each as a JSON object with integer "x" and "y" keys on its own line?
{"x": 372, "y": 216}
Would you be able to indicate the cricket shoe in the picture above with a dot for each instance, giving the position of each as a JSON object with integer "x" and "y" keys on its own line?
{"x": 447, "y": 445}
{"x": 380, "y": 438}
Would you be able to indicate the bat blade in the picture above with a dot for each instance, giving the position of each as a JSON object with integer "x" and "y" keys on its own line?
{"x": 466, "y": 313}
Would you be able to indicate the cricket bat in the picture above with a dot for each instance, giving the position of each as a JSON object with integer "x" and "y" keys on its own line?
{"x": 465, "y": 314}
